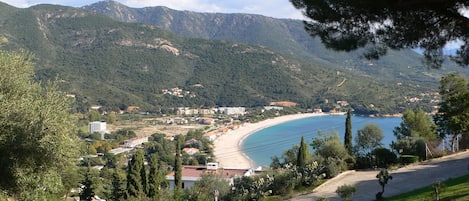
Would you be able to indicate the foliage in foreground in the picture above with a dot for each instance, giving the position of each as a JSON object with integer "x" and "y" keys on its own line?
{"x": 37, "y": 134}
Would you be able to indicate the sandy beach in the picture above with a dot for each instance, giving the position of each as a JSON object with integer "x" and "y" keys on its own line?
{"x": 227, "y": 147}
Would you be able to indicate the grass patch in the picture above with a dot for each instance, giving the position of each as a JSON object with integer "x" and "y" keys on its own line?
{"x": 454, "y": 189}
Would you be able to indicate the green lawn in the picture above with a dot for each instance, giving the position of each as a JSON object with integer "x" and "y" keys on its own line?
{"x": 454, "y": 189}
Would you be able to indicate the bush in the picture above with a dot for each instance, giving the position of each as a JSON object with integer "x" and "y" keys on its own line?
{"x": 364, "y": 162}
{"x": 332, "y": 170}
{"x": 383, "y": 157}
{"x": 351, "y": 162}
{"x": 283, "y": 183}
{"x": 95, "y": 136}
{"x": 408, "y": 159}
{"x": 321, "y": 199}
{"x": 346, "y": 191}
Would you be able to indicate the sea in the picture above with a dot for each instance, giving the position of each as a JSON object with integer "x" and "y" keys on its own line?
{"x": 262, "y": 145}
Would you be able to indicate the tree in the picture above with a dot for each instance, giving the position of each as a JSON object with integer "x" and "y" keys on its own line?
{"x": 87, "y": 192}
{"x": 178, "y": 169}
{"x": 368, "y": 138}
{"x": 207, "y": 186}
{"x": 346, "y": 192}
{"x": 379, "y": 25}
{"x": 93, "y": 115}
{"x": 111, "y": 118}
{"x": 415, "y": 124}
{"x": 118, "y": 186}
{"x": 383, "y": 157}
{"x": 304, "y": 155}
{"x": 415, "y": 129}
{"x": 328, "y": 145}
{"x": 330, "y": 153}
{"x": 155, "y": 179}
{"x": 38, "y": 142}
{"x": 303, "y": 159}
{"x": 348, "y": 132}
{"x": 383, "y": 178}
{"x": 453, "y": 115}
{"x": 134, "y": 177}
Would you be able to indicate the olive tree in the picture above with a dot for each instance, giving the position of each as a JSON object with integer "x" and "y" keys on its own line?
{"x": 38, "y": 142}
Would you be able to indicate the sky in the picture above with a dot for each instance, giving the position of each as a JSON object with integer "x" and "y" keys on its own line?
{"x": 271, "y": 8}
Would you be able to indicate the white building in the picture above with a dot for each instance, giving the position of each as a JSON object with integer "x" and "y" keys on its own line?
{"x": 98, "y": 127}
{"x": 232, "y": 110}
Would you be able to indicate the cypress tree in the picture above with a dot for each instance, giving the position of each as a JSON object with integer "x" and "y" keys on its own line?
{"x": 134, "y": 176}
{"x": 143, "y": 175}
{"x": 177, "y": 170}
{"x": 303, "y": 158}
{"x": 155, "y": 179}
{"x": 118, "y": 188}
{"x": 303, "y": 152}
{"x": 348, "y": 132}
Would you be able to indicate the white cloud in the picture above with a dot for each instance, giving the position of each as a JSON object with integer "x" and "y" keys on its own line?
{"x": 18, "y": 3}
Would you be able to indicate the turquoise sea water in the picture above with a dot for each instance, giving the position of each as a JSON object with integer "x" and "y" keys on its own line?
{"x": 272, "y": 141}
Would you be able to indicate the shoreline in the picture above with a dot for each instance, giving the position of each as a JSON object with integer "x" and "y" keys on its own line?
{"x": 227, "y": 148}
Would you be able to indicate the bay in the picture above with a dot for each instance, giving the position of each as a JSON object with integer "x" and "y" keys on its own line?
{"x": 262, "y": 145}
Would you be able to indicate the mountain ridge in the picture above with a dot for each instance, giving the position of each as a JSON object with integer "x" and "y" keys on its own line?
{"x": 283, "y": 35}
{"x": 116, "y": 64}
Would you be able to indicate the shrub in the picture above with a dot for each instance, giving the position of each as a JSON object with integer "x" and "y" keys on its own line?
{"x": 283, "y": 183}
{"x": 346, "y": 191}
{"x": 408, "y": 159}
{"x": 350, "y": 161}
{"x": 332, "y": 170}
{"x": 321, "y": 199}
{"x": 364, "y": 162}
{"x": 383, "y": 157}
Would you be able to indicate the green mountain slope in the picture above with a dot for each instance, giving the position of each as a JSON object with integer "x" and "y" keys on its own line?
{"x": 117, "y": 64}
{"x": 284, "y": 35}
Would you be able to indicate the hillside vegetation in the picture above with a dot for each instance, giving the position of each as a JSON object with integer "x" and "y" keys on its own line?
{"x": 283, "y": 35}
{"x": 117, "y": 64}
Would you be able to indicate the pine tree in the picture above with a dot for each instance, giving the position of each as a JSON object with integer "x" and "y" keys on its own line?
{"x": 177, "y": 170}
{"x": 155, "y": 179}
{"x": 134, "y": 176}
{"x": 348, "y": 132}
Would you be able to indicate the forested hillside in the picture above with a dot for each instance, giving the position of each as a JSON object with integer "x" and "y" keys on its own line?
{"x": 283, "y": 35}
{"x": 117, "y": 64}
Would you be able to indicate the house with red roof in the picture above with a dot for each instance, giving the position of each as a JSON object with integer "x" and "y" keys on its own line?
{"x": 191, "y": 174}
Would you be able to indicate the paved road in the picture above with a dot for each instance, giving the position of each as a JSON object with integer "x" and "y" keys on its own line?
{"x": 404, "y": 179}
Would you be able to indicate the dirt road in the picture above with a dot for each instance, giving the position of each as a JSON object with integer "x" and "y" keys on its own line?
{"x": 404, "y": 179}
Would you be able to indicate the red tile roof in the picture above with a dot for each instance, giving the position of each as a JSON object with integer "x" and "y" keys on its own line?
{"x": 198, "y": 171}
